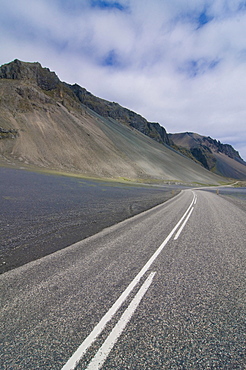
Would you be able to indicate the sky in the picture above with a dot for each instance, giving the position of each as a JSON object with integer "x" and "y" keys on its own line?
{"x": 181, "y": 63}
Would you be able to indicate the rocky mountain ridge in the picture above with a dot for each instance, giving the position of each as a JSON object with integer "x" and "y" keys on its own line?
{"x": 209, "y": 152}
{"x": 48, "y": 81}
{"x": 114, "y": 110}
{"x": 35, "y": 105}
{"x": 205, "y": 142}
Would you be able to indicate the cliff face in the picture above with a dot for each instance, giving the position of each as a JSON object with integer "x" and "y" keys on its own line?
{"x": 32, "y": 72}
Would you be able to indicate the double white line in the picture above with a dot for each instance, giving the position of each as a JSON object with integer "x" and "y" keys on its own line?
{"x": 187, "y": 217}
{"x": 103, "y": 352}
{"x": 101, "y": 355}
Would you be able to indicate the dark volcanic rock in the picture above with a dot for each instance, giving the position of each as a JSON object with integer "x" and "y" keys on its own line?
{"x": 8, "y": 134}
{"x": 34, "y": 72}
{"x": 203, "y": 156}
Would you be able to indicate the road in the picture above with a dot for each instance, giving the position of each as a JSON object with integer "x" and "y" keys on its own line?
{"x": 162, "y": 290}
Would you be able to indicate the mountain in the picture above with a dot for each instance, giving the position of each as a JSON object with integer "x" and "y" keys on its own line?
{"x": 48, "y": 81}
{"x": 50, "y": 124}
{"x": 219, "y": 158}
{"x": 113, "y": 110}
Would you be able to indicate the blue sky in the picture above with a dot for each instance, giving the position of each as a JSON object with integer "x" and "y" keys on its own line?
{"x": 179, "y": 63}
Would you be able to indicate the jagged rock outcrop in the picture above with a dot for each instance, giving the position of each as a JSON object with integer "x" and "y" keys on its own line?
{"x": 8, "y": 134}
{"x": 32, "y": 72}
{"x": 227, "y": 149}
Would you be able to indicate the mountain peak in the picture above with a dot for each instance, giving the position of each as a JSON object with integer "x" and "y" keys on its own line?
{"x": 33, "y": 72}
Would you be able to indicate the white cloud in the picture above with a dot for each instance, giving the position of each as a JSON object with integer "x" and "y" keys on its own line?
{"x": 179, "y": 63}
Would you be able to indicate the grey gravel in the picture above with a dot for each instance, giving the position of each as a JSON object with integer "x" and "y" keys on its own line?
{"x": 41, "y": 214}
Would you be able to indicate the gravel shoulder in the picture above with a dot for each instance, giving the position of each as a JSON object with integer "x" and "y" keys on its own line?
{"x": 41, "y": 214}
{"x": 239, "y": 202}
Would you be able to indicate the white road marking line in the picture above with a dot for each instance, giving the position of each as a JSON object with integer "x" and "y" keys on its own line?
{"x": 79, "y": 353}
{"x": 103, "y": 352}
{"x": 187, "y": 218}
{"x": 183, "y": 224}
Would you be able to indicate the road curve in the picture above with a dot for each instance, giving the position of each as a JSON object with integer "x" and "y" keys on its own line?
{"x": 162, "y": 290}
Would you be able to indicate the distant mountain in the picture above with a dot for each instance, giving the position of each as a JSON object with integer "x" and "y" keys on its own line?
{"x": 48, "y": 123}
{"x": 219, "y": 158}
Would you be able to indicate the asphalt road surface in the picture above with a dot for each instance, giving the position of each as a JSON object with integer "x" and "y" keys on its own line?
{"x": 162, "y": 290}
